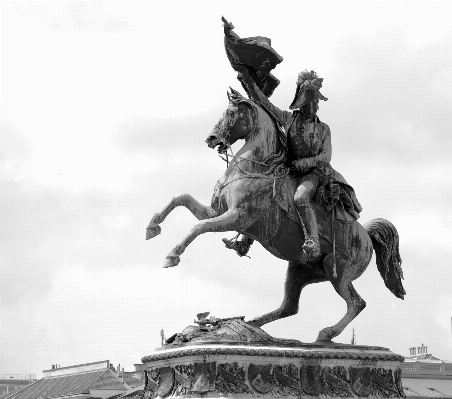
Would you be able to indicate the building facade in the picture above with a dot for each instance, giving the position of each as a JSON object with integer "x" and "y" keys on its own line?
{"x": 426, "y": 376}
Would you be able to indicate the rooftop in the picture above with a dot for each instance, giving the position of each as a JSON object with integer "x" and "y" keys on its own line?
{"x": 136, "y": 392}
{"x": 74, "y": 380}
{"x": 426, "y": 358}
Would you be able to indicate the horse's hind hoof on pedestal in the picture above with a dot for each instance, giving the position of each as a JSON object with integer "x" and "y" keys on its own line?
{"x": 325, "y": 335}
{"x": 152, "y": 230}
{"x": 171, "y": 261}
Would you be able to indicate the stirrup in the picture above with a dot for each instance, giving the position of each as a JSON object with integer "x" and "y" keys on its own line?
{"x": 311, "y": 247}
{"x": 240, "y": 247}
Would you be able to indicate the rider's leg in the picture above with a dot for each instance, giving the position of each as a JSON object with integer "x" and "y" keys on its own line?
{"x": 307, "y": 187}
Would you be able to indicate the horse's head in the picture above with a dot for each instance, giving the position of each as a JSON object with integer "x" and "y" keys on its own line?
{"x": 236, "y": 122}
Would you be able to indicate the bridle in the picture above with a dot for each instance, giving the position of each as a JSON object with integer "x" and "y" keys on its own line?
{"x": 231, "y": 128}
{"x": 232, "y": 125}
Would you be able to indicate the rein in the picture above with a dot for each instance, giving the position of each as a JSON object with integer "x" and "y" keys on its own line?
{"x": 272, "y": 167}
{"x": 241, "y": 159}
{"x": 276, "y": 158}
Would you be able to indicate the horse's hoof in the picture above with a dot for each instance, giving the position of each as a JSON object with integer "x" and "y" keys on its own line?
{"x": 171, "y": 261}
{"x": 325, "y": 335}
{"x": 152, "y": 230}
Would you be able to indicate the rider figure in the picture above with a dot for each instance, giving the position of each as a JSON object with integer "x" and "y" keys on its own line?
{"x": 308, "y": 150}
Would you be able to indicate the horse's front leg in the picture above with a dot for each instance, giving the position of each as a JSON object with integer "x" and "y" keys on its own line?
{"x": 200, "y": 211}
{"x": 228, "y": 221}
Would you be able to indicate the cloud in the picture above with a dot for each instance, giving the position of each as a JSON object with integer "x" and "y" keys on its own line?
{"x": 444, "y": 313}
{"x": 45, "y": 228}
{"x": 14, "y": 152}
{"x": 108, "y": 306}
{"x": 75, "y": 16}
{"x": 389, "y": 99}
{"x": 115, "y": 25}
{"x": 436, "y": 232}
{"x": 175, "y": 133}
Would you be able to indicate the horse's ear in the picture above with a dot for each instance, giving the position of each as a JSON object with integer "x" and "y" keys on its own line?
{"x": 229, "y": 95}
{"x": 235, "y": 93}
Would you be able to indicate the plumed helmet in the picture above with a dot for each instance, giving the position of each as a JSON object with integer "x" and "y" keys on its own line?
{"x": 308, "y": 89}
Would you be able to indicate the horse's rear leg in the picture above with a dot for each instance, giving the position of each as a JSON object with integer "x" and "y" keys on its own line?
{"x": 228, "y": 221}
{"x": 342, "y": 283}
{"x": 200, "y": 211}
{"x": 298, "y": 276}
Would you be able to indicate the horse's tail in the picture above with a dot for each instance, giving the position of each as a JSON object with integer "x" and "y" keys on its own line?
{"x": 385, "y": 240}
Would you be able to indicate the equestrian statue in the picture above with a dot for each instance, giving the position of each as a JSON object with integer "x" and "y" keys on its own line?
{"x": 280, "y": 190}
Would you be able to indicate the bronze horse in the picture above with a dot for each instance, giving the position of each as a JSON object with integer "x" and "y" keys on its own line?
{"x": 244, "y": 202}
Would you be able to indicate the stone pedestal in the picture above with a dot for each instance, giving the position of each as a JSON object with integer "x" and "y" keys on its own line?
{"x": 234, "y": 370}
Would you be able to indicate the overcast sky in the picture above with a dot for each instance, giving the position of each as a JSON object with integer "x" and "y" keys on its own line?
{"x": 105, "y": 108}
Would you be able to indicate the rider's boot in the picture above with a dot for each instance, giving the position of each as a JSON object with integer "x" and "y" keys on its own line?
{"x": 311, "y": 246}
{"x": 241, "y": 247}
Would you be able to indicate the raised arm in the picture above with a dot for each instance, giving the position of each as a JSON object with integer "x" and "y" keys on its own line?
{"x": 256, "y": 94}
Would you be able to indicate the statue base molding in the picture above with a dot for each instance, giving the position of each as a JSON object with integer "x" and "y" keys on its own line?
{"x": 238, "y": 370}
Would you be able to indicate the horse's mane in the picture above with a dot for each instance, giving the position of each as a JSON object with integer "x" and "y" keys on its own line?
{"x": 237, "y": 98}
